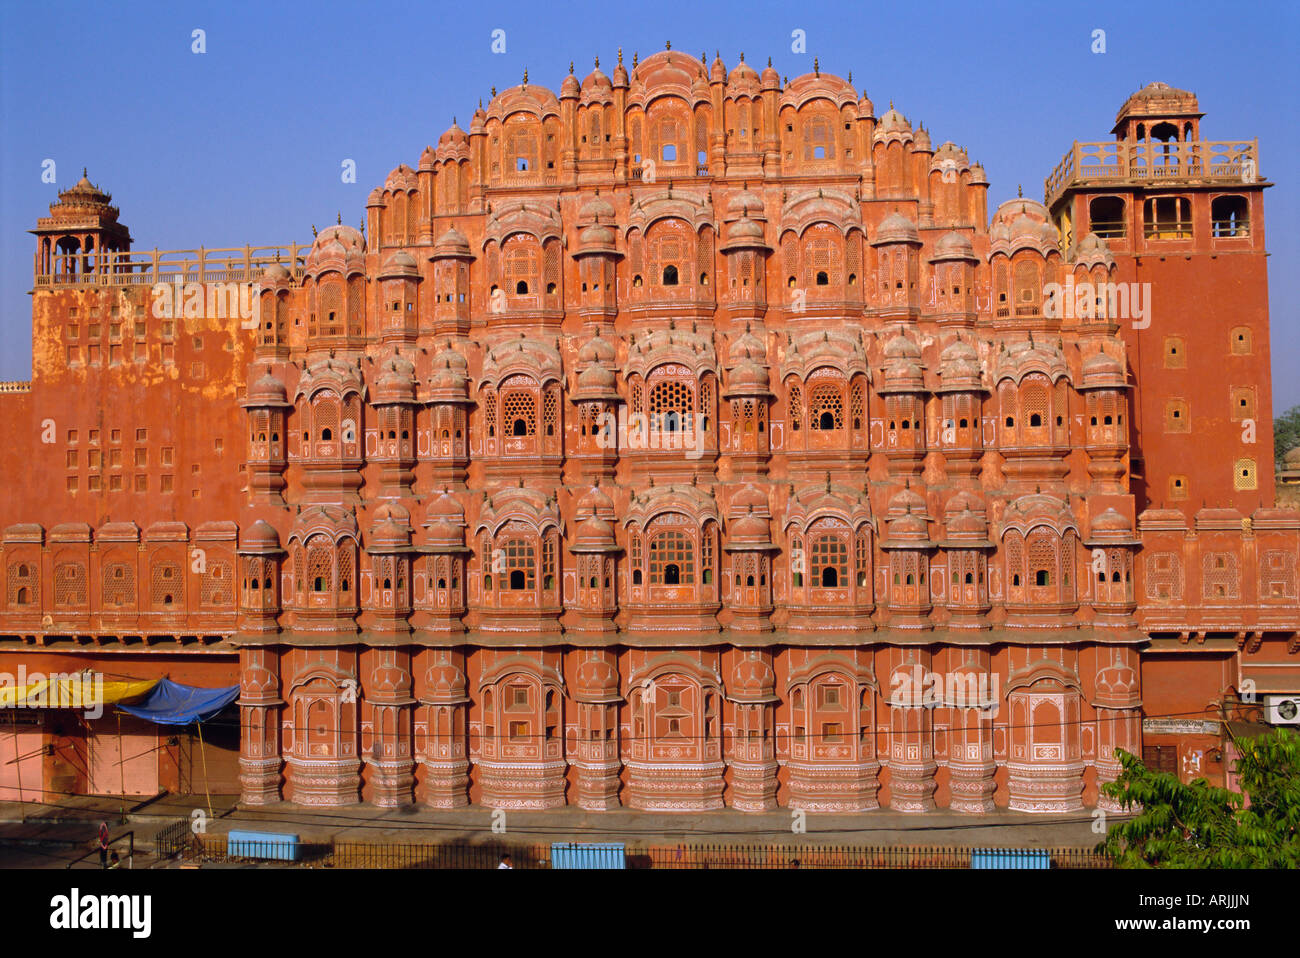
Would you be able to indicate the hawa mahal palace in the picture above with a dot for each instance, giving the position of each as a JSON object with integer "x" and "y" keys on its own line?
{"x": 644, "y": 443}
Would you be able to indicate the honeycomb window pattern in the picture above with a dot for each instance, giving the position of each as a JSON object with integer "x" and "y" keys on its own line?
{"x": 119, "y": 584}
{"x": 165, "y": 589}
{"x": 519, "y": 413}
{"x": 70, "y": 585}
{"x": 671, "y": 402}
{"x": 826, "y": 407}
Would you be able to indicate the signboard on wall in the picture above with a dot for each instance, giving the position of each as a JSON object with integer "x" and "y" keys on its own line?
{"x": 1180, "y": 727}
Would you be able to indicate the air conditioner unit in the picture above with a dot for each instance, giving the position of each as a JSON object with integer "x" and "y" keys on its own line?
{"x": 1282, "y": 709}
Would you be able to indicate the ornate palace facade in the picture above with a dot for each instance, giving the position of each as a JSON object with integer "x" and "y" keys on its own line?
{"x": 691, "y": 438}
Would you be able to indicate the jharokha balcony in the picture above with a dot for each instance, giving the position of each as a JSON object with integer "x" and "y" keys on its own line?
{"x": 1153, "y": 161}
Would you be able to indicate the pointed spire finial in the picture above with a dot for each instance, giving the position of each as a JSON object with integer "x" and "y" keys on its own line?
{"x": 817, "y": 67}
{"x": 850, "y": 79}
{"x": 494, "y": 93}
{"x": 1020, "y": 191}
{"x": 597, "y": 63}
{"x": 742, "y": 56}
{"x": 525, "y": 83}
{"x": 620, "y": 56}
{"x": 636, "y": 57}
{"x": 668, "y": 44}
{"x": 769, "y": 61}
{"x": 338, "y": 218}
{"x": 571, "y": 67}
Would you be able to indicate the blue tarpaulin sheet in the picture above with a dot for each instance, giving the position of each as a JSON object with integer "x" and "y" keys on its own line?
{"x": 171, "y": 703}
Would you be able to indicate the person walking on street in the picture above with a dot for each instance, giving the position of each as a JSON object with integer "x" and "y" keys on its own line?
{"x": 103, "y": 844}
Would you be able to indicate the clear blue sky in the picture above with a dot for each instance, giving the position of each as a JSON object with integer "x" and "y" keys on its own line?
{"x": 243, "y": 144}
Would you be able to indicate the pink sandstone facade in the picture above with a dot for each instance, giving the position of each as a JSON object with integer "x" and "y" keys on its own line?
{"x": 688, "y": 439}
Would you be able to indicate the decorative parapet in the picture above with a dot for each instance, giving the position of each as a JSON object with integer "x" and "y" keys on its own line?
{"x": 1200, "y": 161}
{"x": 146, "y": 268}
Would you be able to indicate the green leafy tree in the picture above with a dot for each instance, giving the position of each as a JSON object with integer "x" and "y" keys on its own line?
{"x": 1286, "y": 433}
{"x": 1198, "y": 825}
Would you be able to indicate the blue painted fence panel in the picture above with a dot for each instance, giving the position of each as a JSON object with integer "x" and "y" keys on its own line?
{"x": 588, "y": 855}
{"x": 1010, "y": 858}
{"x": 277, "y": 845}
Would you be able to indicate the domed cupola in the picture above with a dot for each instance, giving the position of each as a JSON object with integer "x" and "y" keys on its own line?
{"x": 747, "y": 393}
{"x": 453, "y": 142}
{"x": 444, "y": 543}
{"x": 570, "y": 89}
{"x": 267, "y": 392}
{"x": 908, "y": 545}
{"x": 953, "y": 246}
{"x": 903, "y": 371}
{"x": 903, "y": 390}
{"x": 896, "y": 228}
{"x": 594, "y": 548}
{"x": 444, "y": 523}
{"x": 743, "y": 80}
{"x": 394, "y": 381}
{"x": 339, "y": 249}
{"x": 1092, "y": 251}
{"x": 718, "y": 71}
{"x": 959, "y": 368}
{"x": 267, "y": 407}
{"x": 749, "y": 543}
{"x": 451, "y": 260}
{"x": 595, "y": 529}
{"x": 447, "y": 395}
{"x": 752, "y": 680}
{"x": 893, "y": 126}
{"x": 390, "y": 529}
{"x": 597, "y": 88}
{"x": 965, "y": 523}
{"x": 596, "y": 377}
{"x": 444, "y": 681}
{"x": 452, "y": 243}
{"x": 597, "y": 399}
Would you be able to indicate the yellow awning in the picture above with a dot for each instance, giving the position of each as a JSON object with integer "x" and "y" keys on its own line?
{"x": 72, "y": 691}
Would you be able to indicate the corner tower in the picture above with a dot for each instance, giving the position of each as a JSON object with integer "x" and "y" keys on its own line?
{"x": 1184, "y": 219}
{"x": 79, "y": 236}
